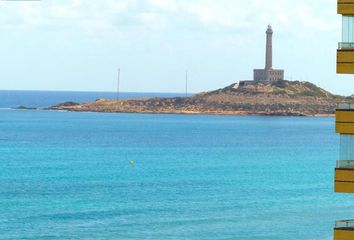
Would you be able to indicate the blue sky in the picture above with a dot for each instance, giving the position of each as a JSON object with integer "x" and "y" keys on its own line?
{"x": 79, "y": 44}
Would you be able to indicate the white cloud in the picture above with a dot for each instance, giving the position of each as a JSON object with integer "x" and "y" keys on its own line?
{"x": 243, "y": 14}
{"x": 153, "y": 21}
{"x": 235, "y": 21}
{"x": 228, "y": 14}
{"x": 186, "y": 29}
{"x": 166, "y": 5}
{"x": 212, "y": 14}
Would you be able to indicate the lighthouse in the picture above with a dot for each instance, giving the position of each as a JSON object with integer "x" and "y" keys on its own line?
{"x": 268, "y": 73}
{"x": 269, "y": 48}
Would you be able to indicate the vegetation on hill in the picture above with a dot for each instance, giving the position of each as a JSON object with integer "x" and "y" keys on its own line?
{"x": 244, "y": 98}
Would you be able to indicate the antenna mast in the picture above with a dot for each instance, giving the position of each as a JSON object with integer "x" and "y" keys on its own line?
{"x": 186, "y": 83}
{"x": 118, "y": 83}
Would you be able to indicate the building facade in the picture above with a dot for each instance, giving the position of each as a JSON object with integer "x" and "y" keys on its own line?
{"x": 268, "y": 73}
{"x": 344, "y": 172}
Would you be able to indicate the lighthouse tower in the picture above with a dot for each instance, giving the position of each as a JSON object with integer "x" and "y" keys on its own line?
{"x": 269, "y": 48}
{"x": 268, "y": 73}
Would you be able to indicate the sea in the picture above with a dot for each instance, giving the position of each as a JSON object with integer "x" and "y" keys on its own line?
{"x": 81, "y": 175}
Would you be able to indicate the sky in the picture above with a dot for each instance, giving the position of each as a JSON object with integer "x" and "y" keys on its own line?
{"x": 78, "y": 45}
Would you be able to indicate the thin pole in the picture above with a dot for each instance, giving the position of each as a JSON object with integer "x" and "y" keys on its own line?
{"x": 186, "y": 83}
{"x": 118, "y": 83}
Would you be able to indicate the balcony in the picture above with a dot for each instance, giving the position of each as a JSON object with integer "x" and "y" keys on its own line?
{"x": 345, "y": 52}
{"x": 345, "y": 106}
{"x": 344, "y": 230}
{"x": 345, "y": 58}
{"x": 346, "y": 46}
{"x": 345, "y": 118}
{"x": 345, "y": 7}
{"x": 344, "y": 177}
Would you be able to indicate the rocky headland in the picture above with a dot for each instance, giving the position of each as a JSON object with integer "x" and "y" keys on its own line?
{"x": 283, "y": 98}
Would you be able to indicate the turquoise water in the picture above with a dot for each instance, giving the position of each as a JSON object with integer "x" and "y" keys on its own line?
{"x": 68, "y": 176}
{"x": 13, "y": 99}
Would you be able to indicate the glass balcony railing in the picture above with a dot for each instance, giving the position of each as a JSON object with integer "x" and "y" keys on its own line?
{"x": 346, "y": 149}
{"x": 345, "y": 106}
{"x": 345, "y": 164}
{"x": 345, "y": 224}
{"x": 346, "y": 45}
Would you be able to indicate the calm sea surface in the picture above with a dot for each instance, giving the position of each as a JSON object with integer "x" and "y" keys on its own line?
{"x": 68, "y": 176}
{"x": 13, "y": 99}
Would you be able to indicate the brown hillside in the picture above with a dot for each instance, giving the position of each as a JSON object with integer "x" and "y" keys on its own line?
{"x": 244, "y": 98}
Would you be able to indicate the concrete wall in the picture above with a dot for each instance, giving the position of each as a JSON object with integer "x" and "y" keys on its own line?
{"x": 268, "y": 75}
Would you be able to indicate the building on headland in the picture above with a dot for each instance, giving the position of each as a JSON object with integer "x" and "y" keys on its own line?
{"x": 268, "y": 73}
{"x": 344, "y": 172}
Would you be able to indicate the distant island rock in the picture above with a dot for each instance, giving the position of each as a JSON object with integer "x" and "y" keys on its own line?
{"x": 26, "y": 108}
{"x": 281, "y": 98}
{"x": 60, "y": 106}
{"x": 55, "y": 107}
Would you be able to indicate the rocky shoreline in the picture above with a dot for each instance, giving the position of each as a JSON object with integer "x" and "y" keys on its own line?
{"x": 280, "y": 98}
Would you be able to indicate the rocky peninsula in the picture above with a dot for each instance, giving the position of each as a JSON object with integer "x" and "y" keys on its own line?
{"x": 281, "y": 98}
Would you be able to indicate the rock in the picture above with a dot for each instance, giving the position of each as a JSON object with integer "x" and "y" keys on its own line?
{"x": 282, "y": 98}
{"x": 63, "y": 105}
{"x": 67, "y": 104}
{"x": 26, "y": 108}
